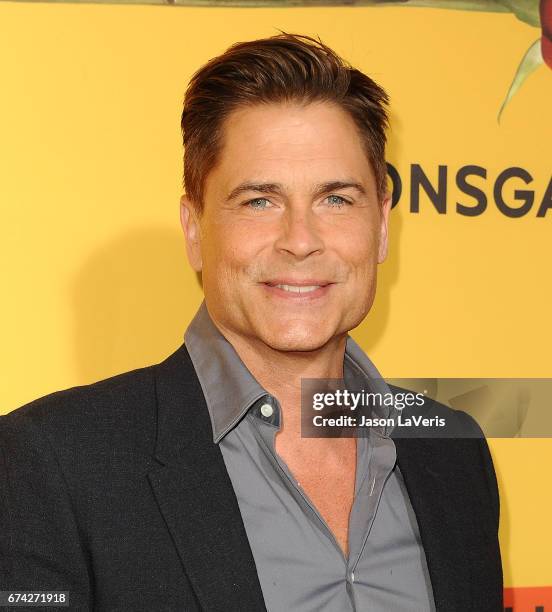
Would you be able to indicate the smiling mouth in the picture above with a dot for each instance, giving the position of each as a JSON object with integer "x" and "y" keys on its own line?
{"x": 298, "y": 288}
{"x": 306, "y": 287}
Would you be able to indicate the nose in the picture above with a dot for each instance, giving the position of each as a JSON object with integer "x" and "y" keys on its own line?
{"x": 299, "y": 233}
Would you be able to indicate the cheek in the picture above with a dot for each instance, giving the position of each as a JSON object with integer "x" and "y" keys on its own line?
{"x": 233, "y": 250}
{"x": 360, "y": 251}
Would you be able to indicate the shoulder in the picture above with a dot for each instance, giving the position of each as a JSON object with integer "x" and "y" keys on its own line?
{"x": 94, "y": 415}
{"x": 454, "y": 446}
{"x": 431, "y": 419}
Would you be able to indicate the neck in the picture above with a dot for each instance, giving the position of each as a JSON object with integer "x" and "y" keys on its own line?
{"x": 280, "y": 372}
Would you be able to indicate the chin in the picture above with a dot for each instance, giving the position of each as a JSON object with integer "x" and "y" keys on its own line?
{"x": 296, "y": 337}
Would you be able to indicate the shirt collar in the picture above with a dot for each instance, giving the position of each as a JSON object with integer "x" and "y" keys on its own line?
{"x": 229, "y": 387}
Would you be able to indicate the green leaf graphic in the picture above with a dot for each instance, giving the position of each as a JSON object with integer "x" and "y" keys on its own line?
{"x": 531, "y": 60}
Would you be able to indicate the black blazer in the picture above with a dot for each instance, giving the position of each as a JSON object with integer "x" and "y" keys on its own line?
{"x": 115, "y": 492}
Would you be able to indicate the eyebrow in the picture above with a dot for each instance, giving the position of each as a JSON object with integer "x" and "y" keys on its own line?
{"x": 276, "y": 188}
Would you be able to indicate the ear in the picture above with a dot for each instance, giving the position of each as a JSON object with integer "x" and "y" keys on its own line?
{"x": 384, "y": 227}
{"x": 190, "y": 225}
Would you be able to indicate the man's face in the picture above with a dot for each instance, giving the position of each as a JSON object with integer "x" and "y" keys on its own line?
{"x": 292, "y": 230}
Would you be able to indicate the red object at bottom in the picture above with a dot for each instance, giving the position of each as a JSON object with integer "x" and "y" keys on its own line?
{"x": 528, "y": 599}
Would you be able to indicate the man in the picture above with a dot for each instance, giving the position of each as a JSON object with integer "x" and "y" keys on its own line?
{"x": 187, "y": 485}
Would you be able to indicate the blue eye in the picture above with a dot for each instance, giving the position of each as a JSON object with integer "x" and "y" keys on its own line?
{"x": 337, "y": 201}
{"x": 255, "y": 203}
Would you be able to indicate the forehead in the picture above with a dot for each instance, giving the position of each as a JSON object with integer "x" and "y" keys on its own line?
{"x": 291, "y": 144}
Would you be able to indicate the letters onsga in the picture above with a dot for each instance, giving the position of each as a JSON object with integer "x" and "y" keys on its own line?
{"x": 519, "y": 204}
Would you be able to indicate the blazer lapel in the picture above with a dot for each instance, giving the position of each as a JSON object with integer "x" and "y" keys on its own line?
{"x": 195, "y": 494}
{"x": 427, "y": 469}
{"x": 199, "y": 505}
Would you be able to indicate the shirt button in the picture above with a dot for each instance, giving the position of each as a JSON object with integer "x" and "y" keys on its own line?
{"x": 352, "y": 576}
{"x": 267, "y": 410}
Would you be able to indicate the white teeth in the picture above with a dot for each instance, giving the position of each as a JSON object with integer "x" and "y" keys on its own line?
{"x": 297, "y": 289}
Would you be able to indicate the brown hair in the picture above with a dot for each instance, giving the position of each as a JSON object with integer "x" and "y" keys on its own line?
{"x": 282, "y": 68}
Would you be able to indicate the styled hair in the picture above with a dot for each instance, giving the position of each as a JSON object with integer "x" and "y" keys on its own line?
{"x": 282, "y": 68}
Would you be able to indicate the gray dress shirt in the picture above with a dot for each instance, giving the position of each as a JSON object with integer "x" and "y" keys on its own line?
{"x": 300, "y": 565}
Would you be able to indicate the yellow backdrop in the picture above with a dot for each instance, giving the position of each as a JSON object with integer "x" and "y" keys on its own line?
{"x": 94, "y": 275}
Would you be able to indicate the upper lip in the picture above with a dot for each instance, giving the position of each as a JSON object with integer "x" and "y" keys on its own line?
{"x": 309, "y": 282}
